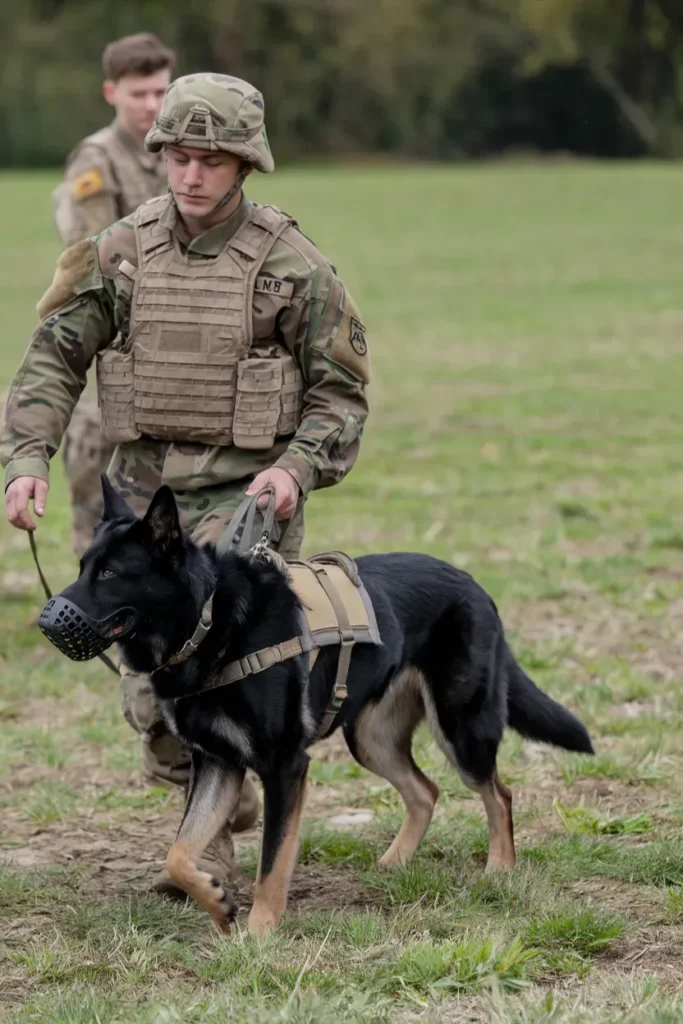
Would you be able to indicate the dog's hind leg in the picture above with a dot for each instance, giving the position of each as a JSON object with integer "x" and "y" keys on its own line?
{"x": 212, "y": 799}
{"x": 283, "y": 801}
{"x": 381, "y": 742}
{"x": 470, "y": 742}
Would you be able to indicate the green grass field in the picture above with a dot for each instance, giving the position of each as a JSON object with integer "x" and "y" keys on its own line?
{"x": 525, "y": 324}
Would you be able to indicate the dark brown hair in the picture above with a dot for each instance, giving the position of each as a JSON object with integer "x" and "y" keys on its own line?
{"x": 141, "y": 54}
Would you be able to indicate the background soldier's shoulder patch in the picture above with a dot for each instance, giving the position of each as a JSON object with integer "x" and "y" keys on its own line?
{"x": 90, "y": 183}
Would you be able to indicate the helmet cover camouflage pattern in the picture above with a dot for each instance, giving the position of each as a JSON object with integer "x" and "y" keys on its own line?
{"x": 217, "y": 112}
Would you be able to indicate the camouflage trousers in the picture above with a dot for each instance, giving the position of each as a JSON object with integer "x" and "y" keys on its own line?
{"x": 86, "y": 454}
{"x": 205, "y": 514}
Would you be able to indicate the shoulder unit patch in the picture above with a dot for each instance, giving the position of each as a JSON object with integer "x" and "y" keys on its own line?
{"x": 357, "y": 336}
{"x": 90, "y": 183}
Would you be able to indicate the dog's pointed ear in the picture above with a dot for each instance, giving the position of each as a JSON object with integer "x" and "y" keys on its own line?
{"x": 115, "y": 507}
{"x": 161, "y": 522}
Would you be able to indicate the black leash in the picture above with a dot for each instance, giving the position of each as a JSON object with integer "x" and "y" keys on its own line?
{"x": 48, "y": 593}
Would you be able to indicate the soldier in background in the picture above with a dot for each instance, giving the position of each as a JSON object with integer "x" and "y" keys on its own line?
{"x": 106, "y": 177}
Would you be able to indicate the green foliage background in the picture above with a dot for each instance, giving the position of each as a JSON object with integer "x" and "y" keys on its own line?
{"x": 416, "y": 79}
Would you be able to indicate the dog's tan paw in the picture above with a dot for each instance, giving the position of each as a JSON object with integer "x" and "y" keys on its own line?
{"x": 262, "y": 921}
{"x": 218, "y": 899}
{"x": 496, "y": 866}
{"x": 394, "y": 857}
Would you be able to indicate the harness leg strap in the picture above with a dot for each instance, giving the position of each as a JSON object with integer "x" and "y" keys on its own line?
{"x": 347, "y": 644}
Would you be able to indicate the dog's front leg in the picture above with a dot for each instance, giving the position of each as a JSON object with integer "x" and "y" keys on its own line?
{"x": 212, "y": 799}
{"x": 283, "y": 799}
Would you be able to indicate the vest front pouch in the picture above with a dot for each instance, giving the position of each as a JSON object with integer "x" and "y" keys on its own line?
{"x": 291, "y": 398}
{"x": 257, "y": 409}
{"x": 269, "y": 396}
{"x": 115, "y": 396}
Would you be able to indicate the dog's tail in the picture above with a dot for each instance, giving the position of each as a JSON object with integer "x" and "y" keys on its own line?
{"x": 532, "y": 713}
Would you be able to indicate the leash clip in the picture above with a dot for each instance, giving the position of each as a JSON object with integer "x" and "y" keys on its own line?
{"x": 261, "y": 550}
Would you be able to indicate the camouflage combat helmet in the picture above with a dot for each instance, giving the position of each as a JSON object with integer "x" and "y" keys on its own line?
{"x": 212, "y": 111}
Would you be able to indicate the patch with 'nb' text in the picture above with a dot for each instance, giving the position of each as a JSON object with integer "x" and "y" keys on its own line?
{"x": 274, "y": 286}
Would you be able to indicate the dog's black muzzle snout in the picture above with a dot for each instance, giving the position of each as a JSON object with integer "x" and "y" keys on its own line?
{"x": 76, "y": 634}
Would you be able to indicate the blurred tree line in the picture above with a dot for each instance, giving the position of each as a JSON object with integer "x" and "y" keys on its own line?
{"x": 425, "y": 79}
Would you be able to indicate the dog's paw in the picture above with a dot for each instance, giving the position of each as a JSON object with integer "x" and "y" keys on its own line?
{"x": 393, "y": 858}
{"x": 219, "y": 900}
{"x": 262, "y": 921}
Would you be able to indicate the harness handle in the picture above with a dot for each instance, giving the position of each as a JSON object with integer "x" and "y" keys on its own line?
{"x": 245, "y": 515}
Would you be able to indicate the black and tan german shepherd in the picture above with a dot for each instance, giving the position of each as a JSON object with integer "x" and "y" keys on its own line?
{"x": 443, "y": 656}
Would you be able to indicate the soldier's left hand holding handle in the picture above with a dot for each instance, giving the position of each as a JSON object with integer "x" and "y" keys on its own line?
{"x": 286, "y": 490}
{"x": 17, "y": 497}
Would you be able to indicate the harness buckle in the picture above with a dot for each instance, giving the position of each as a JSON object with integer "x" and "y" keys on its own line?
{"x": 253, "y": 663}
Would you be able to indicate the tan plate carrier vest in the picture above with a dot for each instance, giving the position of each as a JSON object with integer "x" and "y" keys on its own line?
{"x": 337, "y": 612}
{"x": 188, "y": 372}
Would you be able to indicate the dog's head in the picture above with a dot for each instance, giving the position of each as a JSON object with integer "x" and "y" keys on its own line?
{"x": 130, "y": 574}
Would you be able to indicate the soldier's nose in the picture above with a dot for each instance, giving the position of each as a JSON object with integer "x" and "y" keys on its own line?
{"x": 192, "y": 177}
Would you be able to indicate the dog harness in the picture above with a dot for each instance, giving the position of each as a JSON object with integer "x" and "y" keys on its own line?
{"x": 336, "y": 610}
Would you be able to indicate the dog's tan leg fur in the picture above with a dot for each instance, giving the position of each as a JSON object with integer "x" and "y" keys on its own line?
{"x": 211, "y": 803}
{"x": 271, "y": 890}
{"x": 497, "y": 800}
{"x": 383, "y": 735}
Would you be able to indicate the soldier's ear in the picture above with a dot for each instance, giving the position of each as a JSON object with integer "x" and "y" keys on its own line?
{"x": 109, "y": 91}
{"x": 161, "y": 524}
{"x": 115, "y": 507}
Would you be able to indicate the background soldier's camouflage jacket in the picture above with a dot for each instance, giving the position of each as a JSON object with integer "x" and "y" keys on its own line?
{"x": 85, "y": 309}
{"x": 106, "y": 177}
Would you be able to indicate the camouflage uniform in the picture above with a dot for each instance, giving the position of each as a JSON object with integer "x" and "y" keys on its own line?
{"x": 302, "y": 310}
{"x": 106, "y": 177}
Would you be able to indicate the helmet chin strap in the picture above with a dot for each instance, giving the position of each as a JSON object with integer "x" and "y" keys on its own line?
{"x": 234, "y": 188}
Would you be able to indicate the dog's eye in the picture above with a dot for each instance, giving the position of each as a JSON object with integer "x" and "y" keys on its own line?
{"x": 106, "y": 574}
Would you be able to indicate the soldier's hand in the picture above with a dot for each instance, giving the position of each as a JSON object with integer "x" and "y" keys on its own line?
{"x": 17, "y": 497}
{"x": 286, "y": 490}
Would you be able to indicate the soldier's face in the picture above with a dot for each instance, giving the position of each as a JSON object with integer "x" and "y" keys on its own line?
{"x": 137, "y": 99}
{"x": 199, "y": 178}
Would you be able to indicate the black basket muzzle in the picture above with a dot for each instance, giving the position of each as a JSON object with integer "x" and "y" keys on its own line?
{"x": 78, "y": 635}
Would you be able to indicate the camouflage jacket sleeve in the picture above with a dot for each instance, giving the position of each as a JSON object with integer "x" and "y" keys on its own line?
{"x": 86, "y": 202}
{"x": 323, "y": 330}
{"x": 77, "y": 320}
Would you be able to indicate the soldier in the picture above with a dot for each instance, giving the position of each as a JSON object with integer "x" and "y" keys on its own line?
{"x": 230, "y": 356}
{"x": 106, "y": 177}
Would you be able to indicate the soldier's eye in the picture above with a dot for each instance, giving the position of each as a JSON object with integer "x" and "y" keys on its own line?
{"x": 106, "y": 574}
